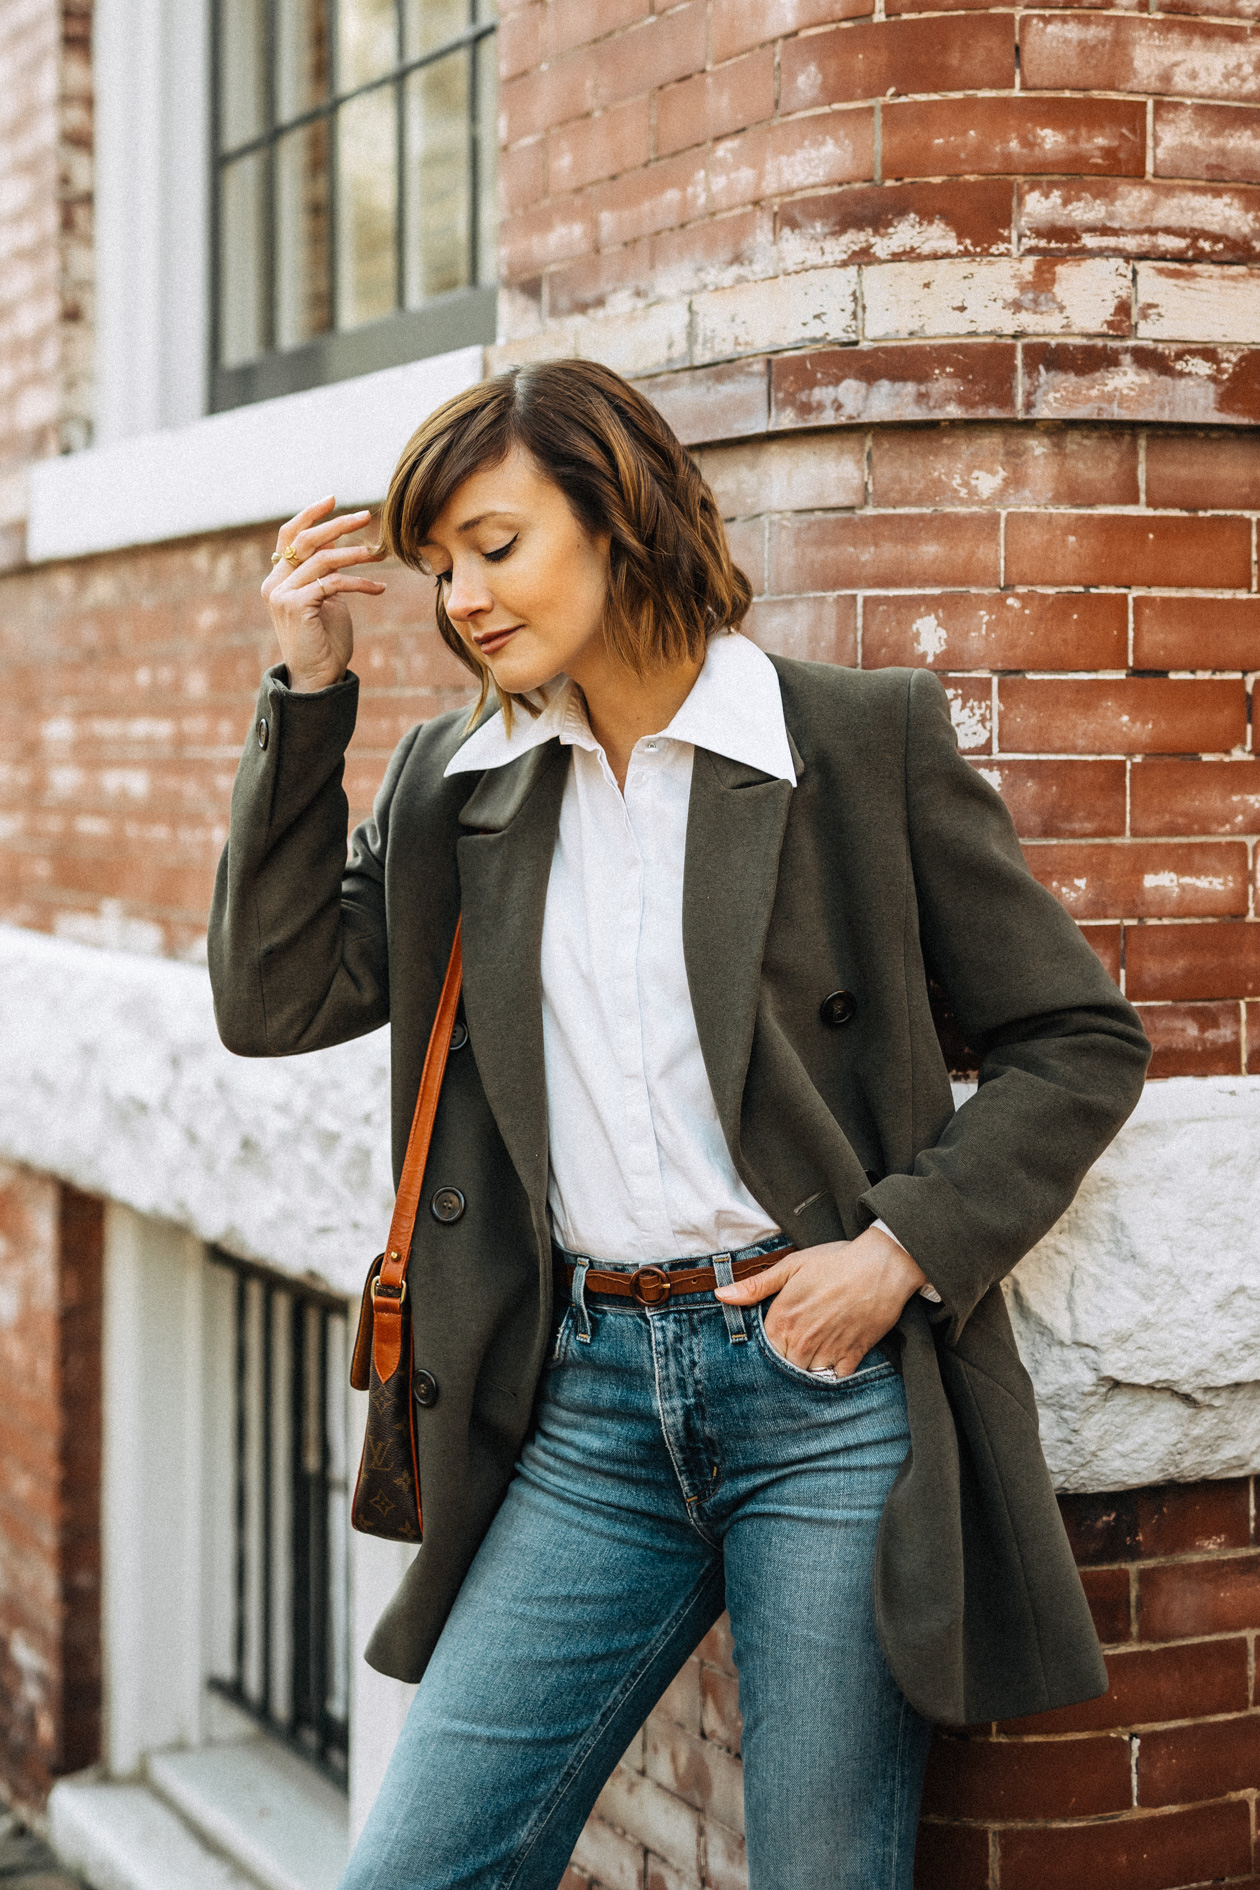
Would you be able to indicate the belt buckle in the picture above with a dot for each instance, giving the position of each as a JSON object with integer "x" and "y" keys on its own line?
{"x": 651, "y": 1286}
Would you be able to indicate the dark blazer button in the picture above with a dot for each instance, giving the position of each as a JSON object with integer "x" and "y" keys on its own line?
{"x": 837, "y": 1008}
{"x": 424, "y": 1388}
{"x": 263, "y": 731}
{"x": 447, "y": 1204}
{"x": 459, "y": 1037}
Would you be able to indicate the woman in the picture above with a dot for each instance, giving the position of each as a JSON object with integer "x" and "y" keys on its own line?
{"x": 717, "y": 1320}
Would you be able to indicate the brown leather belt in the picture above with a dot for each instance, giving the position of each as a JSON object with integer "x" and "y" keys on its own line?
{"x": 652, "y": 1286}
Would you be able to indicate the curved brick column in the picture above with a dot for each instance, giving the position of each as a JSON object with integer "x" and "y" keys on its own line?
{"x": 1038, "y": 215}
{"x": 961, "y": 310}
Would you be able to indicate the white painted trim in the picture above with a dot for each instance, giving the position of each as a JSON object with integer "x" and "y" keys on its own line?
{"x": 151, "y": 1486}
{"x": 243, "y": 467}
{"x": 151, "y": 213}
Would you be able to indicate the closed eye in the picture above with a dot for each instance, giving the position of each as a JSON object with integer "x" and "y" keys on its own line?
{"x": 497, "y": 556}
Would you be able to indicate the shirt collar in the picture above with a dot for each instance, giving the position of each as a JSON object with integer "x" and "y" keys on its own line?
{"x": 735, "y": 709}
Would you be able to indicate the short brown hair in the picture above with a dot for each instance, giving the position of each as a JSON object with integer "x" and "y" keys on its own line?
{"x": 671, "y": 581}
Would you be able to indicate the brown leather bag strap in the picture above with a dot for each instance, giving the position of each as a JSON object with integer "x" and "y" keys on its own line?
{"x": 389, "y": 1288}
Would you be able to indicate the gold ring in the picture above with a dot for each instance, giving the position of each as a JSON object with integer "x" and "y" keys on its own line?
{"x": 291, "y": 555}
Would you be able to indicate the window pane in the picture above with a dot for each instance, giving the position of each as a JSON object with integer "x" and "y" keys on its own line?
{"x": 487, "y": 135}
{"x": 303, "y": 56}
{"x": 430, "y": 23}
{"x": 437, "y": 234}
{"x": 367, "y": 208}
{"x": 243, "y": 96}
{"x": 367, "y": 43}
{"x": 242, "y": 302}
{"x": 303, "y": 284}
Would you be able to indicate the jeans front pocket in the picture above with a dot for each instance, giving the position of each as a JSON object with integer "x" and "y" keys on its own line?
{"x": 872, "y": 1368}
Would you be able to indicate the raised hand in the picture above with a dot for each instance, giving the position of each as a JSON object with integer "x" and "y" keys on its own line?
{"x": 305, "y": 592}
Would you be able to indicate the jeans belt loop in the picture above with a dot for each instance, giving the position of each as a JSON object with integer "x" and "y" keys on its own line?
{"x": 735, "y": 1326}
{"x": 581, "y": 1315}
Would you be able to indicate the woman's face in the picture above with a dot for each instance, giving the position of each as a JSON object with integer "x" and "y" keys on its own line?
{"x": 522, "y": 580}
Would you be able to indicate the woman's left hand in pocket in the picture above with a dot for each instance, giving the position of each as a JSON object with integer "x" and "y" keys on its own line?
{"x": 834, "y": 1302}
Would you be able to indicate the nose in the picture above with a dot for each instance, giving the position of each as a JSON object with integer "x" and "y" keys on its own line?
{"x": 469, "y": 596}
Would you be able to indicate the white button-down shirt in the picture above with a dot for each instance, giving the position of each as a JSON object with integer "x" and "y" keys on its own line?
{"x": 640, "y": 1170}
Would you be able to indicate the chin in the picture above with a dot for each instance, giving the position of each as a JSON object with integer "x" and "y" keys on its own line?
{"x": 519, "y": 678}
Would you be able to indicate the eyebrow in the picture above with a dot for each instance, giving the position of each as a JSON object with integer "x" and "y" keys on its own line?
{"x": 466, "y": 525}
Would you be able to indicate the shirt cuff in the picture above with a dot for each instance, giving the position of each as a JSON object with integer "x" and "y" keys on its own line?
{"x": 925, "y": 1292}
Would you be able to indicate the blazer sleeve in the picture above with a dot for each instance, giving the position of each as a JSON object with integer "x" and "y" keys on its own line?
{"x": 1062, "y": 1053}
{"x": 297, "y": 945}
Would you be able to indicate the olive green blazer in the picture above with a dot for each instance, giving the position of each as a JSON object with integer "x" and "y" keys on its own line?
{"x": 889, "y": 857}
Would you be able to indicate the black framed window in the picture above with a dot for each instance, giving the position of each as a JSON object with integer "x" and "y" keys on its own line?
{"x": 289, "y": 1664}
{"x": 355, "y": 188}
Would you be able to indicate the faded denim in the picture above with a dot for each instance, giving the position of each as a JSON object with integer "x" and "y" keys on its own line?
{"x": 678, "y": 1465}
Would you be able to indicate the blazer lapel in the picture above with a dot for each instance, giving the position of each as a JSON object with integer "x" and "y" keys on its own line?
{"x": 504, "y": 864}
{"x": 735, "y": 830}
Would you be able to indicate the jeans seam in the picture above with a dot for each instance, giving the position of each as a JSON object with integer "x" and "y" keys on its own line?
{"x": 897, "y": 1780}
{"x": 688, "y": 1503}
{"x": 532, "y": 1834}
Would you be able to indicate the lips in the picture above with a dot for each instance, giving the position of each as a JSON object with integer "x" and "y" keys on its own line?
{"x": 490, "y": 641}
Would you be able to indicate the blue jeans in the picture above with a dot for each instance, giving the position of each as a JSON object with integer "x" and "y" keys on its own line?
{"x": 677, "y": 1464}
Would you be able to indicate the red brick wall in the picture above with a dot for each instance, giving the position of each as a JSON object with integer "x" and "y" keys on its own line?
{"x": 50, "y": 1468}
{"x": 652, "y": 150}
{"x": 1152, "y": 1787}
{"x": 1093, "y": 610}
{"x": 130, "y": 688}
{"x": 45, "y": 240}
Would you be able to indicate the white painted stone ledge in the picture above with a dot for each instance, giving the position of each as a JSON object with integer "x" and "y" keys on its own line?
{"x": 1138, "y": 1315}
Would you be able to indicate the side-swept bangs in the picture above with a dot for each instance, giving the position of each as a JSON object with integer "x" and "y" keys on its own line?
{"x": 671, "y": 582}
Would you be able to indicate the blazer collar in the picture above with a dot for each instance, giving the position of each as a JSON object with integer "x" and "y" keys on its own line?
{"x": 735, "y": 827}
{"x": 504, "y": 866}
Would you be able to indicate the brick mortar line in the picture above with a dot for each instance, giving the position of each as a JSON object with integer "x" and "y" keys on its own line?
{"x": 1130, "y": 1814}
{"x": 1123, "y": 1729}
{"x": 1182, "y": 1558}
{"x": 871, "y": 100}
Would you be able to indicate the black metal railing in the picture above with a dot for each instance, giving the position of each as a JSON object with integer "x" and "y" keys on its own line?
{"x": 290, "y": 1566}
{"x": 353, "y": 183}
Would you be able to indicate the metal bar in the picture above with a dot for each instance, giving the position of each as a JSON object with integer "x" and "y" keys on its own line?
{"x": 468, "y": 37}
{"x": 301, "y": 1526}
{"x": 268, "y": 1301}
{"x": 319, "y": 1549}
{"x": 241, "y": 1565}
